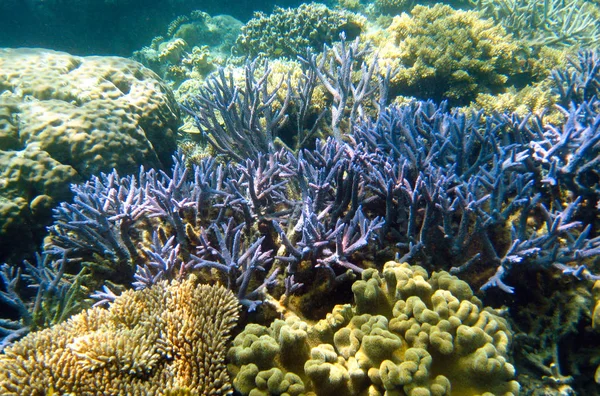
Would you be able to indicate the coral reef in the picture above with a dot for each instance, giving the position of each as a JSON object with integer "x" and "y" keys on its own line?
{"x": 556, "y": 23}
{"x": 465, "y": 197}
{"x": 442, "y": 53}
{"x": 288, "y": 32}
{"x": 65, "y": 118}
{"x": 407, "y": 332}
{"x": 167, "y": 339}
{"x": 193, "y": 46}
{"x": 507, "y": 202}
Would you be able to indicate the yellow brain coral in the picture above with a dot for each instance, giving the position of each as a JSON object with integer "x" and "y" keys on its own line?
{"x": 170, "y": 338}
{"x": 408, "y": 334}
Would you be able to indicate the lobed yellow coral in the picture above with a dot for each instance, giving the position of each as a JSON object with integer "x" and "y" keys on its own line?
{"x": 408, "y": 333}
{"x": 166, "y": 339}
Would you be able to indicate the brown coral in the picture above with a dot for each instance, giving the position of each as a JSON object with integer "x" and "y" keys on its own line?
{"x": 167, "y": 339}
{"x": 442, "y": 53}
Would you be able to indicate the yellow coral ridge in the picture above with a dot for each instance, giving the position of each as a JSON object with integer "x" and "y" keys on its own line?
{"x": 408, "y": 334}
{"x": 167, "y": 339}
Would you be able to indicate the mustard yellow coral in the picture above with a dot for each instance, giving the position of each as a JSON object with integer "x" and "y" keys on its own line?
{"x": 442, "y": 53}
{"x": 407, "y": 334}
{"x": 167, "y": 339}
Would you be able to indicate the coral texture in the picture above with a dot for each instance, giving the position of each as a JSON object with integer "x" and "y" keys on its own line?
{"x": 445, "y": 53}
{"x": 162, "y": 340}
{"x": 288, "y": 32}
{"x": 407, "y": 332}
{"x": 64, "y": 118}
{"x": 193, "y": 45}
{"x": 557, "y": 23}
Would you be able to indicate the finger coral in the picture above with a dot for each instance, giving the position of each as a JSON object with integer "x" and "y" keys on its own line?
{"x": 408, "y": 333}
{"x": 165, "y": 339}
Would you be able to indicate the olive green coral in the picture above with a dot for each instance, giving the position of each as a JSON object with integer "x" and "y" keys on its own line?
{"x": 408, "y": 333}
{"x": 442, "y": 53}
{"x": 288, "y": 32}
{"x": 166, "y": 339}
{"x": 64, "y": 118}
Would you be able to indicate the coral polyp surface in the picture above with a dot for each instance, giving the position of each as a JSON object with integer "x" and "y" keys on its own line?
{"x": 407, "y": 333}
{"x": 166, "y": 339}
{"x": 64, "y": 118}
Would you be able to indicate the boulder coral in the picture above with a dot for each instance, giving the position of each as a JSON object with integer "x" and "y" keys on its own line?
{"x": 167, "y": 339}
{"x": 408, "y": 333}
{"x": 64, "y": 118}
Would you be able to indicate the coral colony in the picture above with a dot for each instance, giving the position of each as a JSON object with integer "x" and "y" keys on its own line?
{"x": 492, "y": 194}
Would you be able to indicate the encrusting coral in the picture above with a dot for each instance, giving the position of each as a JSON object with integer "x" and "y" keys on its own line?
{"x": 408, "y": 333}
{"x": 166, "y": 339}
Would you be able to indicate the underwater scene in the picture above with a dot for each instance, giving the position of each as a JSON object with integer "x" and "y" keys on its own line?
{"x": 353, "y": 197}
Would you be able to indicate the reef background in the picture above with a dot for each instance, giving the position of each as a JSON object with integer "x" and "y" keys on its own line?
{"x": 105, "y": 27}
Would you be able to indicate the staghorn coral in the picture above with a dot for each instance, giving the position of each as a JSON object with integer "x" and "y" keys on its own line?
{"x": 162, "y": 340}
{"x": 407, "y": 332}
{"x": 288, "y": 32}
{"x": 557, "y": 23}
{"x": 445, "y": 53}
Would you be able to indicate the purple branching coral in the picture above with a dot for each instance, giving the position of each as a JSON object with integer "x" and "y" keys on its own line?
{"x": 56, "y": 294}
{"x": 336, "y": 70}
{"x": 250, "y": 117}
{"x": 461, "y": 192}
{"x": 457, "y": 180}
{"x": 580, "y": 81}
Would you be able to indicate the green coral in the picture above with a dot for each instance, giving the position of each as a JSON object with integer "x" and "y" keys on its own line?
{"x": 442, "y": 53}
{"x": 408, "y": 333}
{"x": 288, "y": 32}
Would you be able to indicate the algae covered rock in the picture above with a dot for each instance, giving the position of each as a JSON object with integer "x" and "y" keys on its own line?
{"x": 408, "y": 334}
{"x": 65, "y": 118}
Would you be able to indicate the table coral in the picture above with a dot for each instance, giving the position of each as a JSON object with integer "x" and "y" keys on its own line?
{"x": 408, "y": 333}
{"x": 166, "y": 339}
